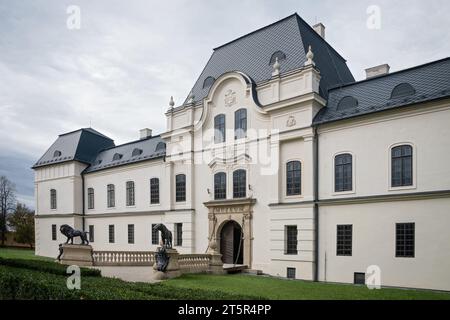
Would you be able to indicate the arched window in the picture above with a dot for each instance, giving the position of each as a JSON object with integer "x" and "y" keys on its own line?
{"x": 278, "y": 54}
{"x": 90, "y": 198}
{"x": 220, "y": 186}
{"x": 219, "y": 128}
{"x": 402, "y": 166}
{"x": 293, "y": 178}
{"x": 403, "y": 90}
{"x": 240, "y": 124}
{"x": 239, "y": 184}
{"x": 343, "y": 176}
{"x": 347, "y": 103}
{"x": 52, "y": 199}
{"x": 154, "y": 190}
{"x": 117, "y": 156}
{"x": 136, "y": 152}
{"x": 111, "y": 196}
{"x": 180, "y": 188}
{"x": 208, "y": 82}
{"x": 130, "y": 193}
{"x": 161, "y": 146}
{"x": 57, "y": 153}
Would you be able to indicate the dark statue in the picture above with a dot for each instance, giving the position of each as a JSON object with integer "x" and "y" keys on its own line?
{"x": 71, "y": 233}
{"x": 162, "y": 259}
{"x": 61, "y": 249}
{"x": 166, "y": 235}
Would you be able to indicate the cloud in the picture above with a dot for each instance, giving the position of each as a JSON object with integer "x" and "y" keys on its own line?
{"x": 119, "y": 70}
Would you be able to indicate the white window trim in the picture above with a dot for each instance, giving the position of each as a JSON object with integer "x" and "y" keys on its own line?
{"x": 414, "y": 169}
{"x": 284, "y": 179}
{"x": 333, "y": 178}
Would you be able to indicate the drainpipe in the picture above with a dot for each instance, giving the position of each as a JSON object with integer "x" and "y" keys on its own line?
{"x": 316, "y": 201}
{"x": 82, "y": 197}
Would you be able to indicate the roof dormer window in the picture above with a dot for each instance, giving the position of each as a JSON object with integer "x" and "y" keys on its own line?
{"x": 403, "y": 90}
{"x": 136, "y": 152}
{"x": 56, "y": 154}
{"x": 277, "y": 54}
{"x": 117, "y": 156}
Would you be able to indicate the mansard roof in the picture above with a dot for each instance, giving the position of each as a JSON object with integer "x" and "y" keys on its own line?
{"x": 148, "y": 149}
{"x": 81, "y": 145}
{"x": 252, "y": 53}
{"x": 419, "y": 84}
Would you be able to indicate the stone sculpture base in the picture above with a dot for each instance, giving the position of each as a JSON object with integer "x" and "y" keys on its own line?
{"x": 173, "y": 268}
{"x": 75, "y": 254}
{"x": 216, "y": 264}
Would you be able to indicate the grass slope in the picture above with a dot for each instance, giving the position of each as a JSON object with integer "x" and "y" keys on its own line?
{"x": 14, "y": 253}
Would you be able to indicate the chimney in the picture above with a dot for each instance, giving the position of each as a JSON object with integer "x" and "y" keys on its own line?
{"x": 320, "y": 29}
{"x": 377, "y": 71}
{"x": 145, "y": 133}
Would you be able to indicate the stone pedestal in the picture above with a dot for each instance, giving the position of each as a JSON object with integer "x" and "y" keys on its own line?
{"x": 173, "y": 268}
{"x": 76, "y": 254}
{"x": 216, "y": 264}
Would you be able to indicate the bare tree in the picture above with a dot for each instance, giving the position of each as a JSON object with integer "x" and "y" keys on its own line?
{"x": 7, "y": 204}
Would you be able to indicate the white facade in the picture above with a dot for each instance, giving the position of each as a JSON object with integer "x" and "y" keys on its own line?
{"x": 280, "y": 129}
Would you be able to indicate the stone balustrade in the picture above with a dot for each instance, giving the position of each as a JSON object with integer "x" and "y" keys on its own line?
{"x": 194, "y": 263}
{"x": 123, "y": 258}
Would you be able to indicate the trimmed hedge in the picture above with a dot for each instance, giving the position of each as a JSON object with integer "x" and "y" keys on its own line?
{"x": 46, "y": 266}
{"x": 16, "y": 283}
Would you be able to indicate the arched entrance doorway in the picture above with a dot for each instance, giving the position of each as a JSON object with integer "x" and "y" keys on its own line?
{"x": 231, "y": 243}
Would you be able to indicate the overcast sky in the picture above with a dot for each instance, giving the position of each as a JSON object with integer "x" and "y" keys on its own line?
{"x": 118, "y": 71}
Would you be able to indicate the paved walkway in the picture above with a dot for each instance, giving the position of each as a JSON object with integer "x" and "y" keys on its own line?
{"x": 131, "y": 274}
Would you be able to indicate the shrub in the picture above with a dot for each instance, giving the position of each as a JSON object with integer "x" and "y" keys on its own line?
{"x": 46, "y": 266}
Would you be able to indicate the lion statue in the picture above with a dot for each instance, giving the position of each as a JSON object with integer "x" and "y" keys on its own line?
{"x": 71, "y": 233}
{"x": 166, "y": 235}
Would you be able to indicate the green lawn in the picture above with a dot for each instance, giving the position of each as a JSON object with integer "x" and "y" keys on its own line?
{"x": 210, "y": 286}
{"x": 273, "y": 288}
{"x": 14, "y": 253}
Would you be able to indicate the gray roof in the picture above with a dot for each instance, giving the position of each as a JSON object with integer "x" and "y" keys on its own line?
{"x": 81, "y": 145}
{"x": 431, "y": 81}
{"x": 104, "y": 159}
{"x": 251, "y": 55}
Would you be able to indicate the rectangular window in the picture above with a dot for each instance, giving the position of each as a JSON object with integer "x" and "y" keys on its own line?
{"x": 178, "y": 234}
{"x": 344, "y": 235}
{"x": 130, "y": 193}
{"x": 239, "y": 184}
{"x": 359, "y": 278}
{"x": 240, "y": 124}
{"x": 405, "y": 237}
{"x": 293, "y": 178}
{"x": 90, "y": 198}
{"x": 111, "y": 196}
{"x": 131, "y": 233}
{"x": 220, "y": 186}
{"x": 343, "y": 176}
{"x": 401, "y": 166}
{"x": 53, "y": 232}
{"x": 290, "y": 239}
{"x": 154, "y": 191}
{"x": 111, "y": 233}
{"x": 91, "y": 233}
{"x": 219, "y": 128}
{"x": 290, "y": 273}
{"x": 53, "y": 199}
{"x": 180, "y": 188}
{"x": 155, "y": 236}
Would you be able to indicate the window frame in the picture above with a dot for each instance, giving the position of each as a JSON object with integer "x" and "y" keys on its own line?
{"x": 154, "y": 194}
{"x": 240, "y": 126}
{"x": 288, "y": 243}
{"x": 111, "y": 233}
{"x": 53, "y": 199}
{"x": 342, "y": 250}
{"x": 130, "y": 194}
{"x": 178, "y": 232}
{"x": 286, "y": 178}
{"x": 155, "y": 235}
{"x": 130, "y": 233}
{"x": 222, "y": 190}
{"x": 238, "y": 193}
{"x": 407, "y": 253}
{"x": 352, "y": 172}
{"x": 220, "y": 128}
{"x": 54, "y": 232}
{"x": 91, "y": 198}
{"x": 91, "y": 233}
{"x": 413, "y": 166}
{"x": 110, "y": 195}
{"x": 180, "y": 188}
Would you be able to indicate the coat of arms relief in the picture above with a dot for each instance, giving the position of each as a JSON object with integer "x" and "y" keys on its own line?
{"x": 230, "y": 98}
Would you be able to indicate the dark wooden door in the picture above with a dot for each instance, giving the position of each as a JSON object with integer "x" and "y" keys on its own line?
{"x": 227, "y": 243}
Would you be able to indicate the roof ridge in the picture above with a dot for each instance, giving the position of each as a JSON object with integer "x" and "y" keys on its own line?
{"x": 131, "y": 142}
{"x": 389, "y": 74}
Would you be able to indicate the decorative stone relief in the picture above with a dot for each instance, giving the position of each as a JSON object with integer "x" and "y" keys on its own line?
{"x": 230, "y": 98}
{"x": 291, "y": 121}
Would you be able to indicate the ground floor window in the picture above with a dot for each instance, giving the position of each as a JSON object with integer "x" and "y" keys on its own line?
{"x": 404, "y": 247}
{"x": 53, "y": 232}
{"x": 131, "y": 233}
{"x": 290, "y": 273}
{"x": 91, "y": 233}
{"x": 111, "y": 233}
{"x": 178, "y": 234}
{"x": 359, "y": 278}
{"x": 290, "y": 239}
{"x": 344, "y": 235}
{"x": 155, "y": 235}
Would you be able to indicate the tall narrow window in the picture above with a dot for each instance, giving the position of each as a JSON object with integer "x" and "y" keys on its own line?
{"x": 239, "y": 184}
{"x": 91, "y": 233}
{"x": 130, "y": 193}
{"x": 240, "y": 124}
{"x": 220, "y": 186}
{"x": 111, "y": 234}
{"x": 290, "y": 246}
{"x": 405, "y": 238}
{"x": 178, "y": 234}
{"x": 344, "y": 240}
{"x": 154, "y": 190}
{"x": 53, "y": 232}
{"x": 180, "y": 187}
{"x": 401, "y": 166}
{"x": 343, "y": 173}
{"x": 90, "y": 198}
{"x": 52, "y": 199}
{"x": 219, "y": 128}
{"x": 111, "y": 196}
{"x": 293, "y": 178}
{"x": 131, "y": 233}
{"x": 155, "y": 235}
